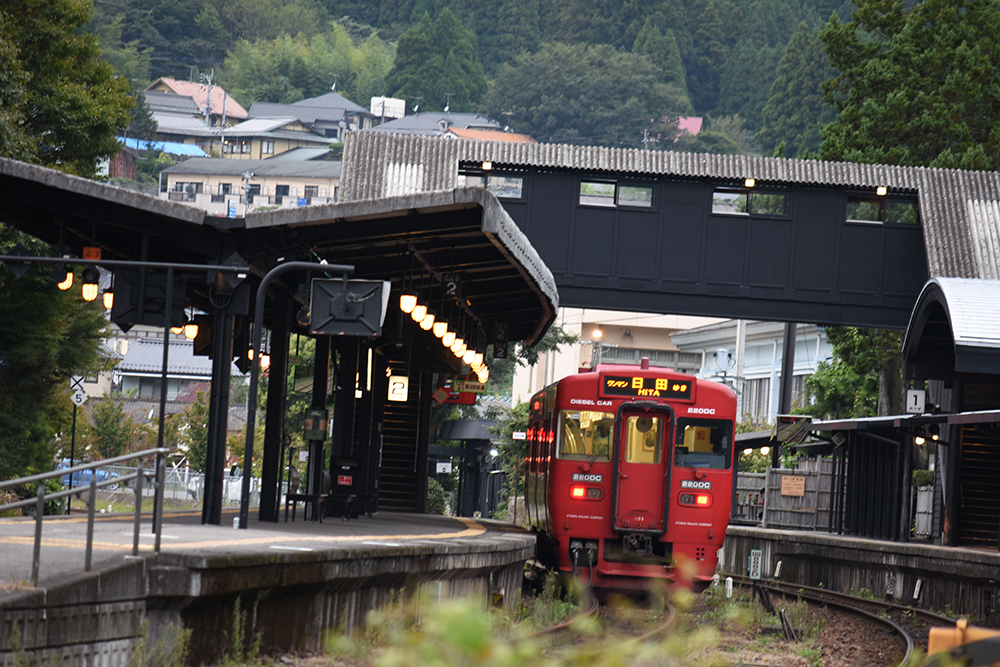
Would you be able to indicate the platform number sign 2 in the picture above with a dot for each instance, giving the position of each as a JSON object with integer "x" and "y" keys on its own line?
{"x": 500, "y": 340}
{"x": 756, "y": 564}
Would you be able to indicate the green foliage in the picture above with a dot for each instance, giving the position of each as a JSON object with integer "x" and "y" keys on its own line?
{"x": 708, "y": 55}
{"x": 746, "y": 80}
{"x": 170, "y": 649}
{"x": 923, "y": 477}
{"x": 580, "y": 94}
{"x": 664, "y": 54}
{"x": 112, "y": 432}
{"x": 796, "y": 107}
{"x": 726, "y": 135}
{"x": 436, "y": 498}
{"x": 72, "y": 105}
{"x": 193, "y": 428}
{"x": 438, "y": 57}
{"x": 864, "y": 378}
{"x": 47, "y": 336}
{"x": 287, "y": 69}
{"x": 918, "y": 84}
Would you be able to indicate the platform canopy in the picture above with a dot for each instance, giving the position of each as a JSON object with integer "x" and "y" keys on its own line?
{"x": 954, "y": 330}
{"x": 461, "y": 231}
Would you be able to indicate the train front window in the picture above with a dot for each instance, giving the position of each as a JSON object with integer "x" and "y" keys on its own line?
{"x": 704, "y": 443}
{"x": 643, "y": 441}
{"x": 585, "y": 435}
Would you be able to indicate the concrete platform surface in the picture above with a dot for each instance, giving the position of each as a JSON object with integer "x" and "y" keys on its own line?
{"x": 185, "y": 541}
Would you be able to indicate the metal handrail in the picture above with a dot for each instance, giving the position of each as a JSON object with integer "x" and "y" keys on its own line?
{"x": 139, "y": 476}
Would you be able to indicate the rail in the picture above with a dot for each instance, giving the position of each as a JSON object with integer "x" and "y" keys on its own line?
{"x": 139, "y": 476}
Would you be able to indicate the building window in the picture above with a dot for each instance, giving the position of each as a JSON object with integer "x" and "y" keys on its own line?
{"x": 244, "y": 147}
{"x": 311, "y": 191}
{"x": 266, "y": 147}
{"x": 892, "y": 210}
{"x": 605, "y": 193}
{"x": 225, "y": 188}
{"x": 756, "y": 401}
{"x": 749, "y": 202}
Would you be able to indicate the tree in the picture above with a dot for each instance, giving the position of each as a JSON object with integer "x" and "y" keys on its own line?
{"x": 194, "y": 431}
{"x": 435, "y": 59}
{"x": 71, "y": 104}
{"x": 47, "y": 336}
{"x": 865, "y": 376}
{"x": 592, "y": 95}
{"x": 796, "y": 106}
{"x": 745, "y": 82}
{"x": 918, "y": 84}
{"x": 705, "y": 62}
{"x": 665, "y": 57}
{"x": 111, "y": 431}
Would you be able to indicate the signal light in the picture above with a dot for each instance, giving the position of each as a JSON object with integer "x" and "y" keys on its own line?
{"x": 702, "y": 499}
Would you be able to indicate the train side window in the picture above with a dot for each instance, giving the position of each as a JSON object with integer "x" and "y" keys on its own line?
{"x": 704, "y": 443}
{"x": 643, "y": 441}
{"x": 585, "y": 435}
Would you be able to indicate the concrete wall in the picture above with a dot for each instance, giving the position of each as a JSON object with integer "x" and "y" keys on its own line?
{"x": 962, "y": 582}
{"x": 291, "y": 599}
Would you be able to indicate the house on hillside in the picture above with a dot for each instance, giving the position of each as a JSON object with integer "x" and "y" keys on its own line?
{"x": 224, "y": 187}
{"x": 329, "y": 115}
{"x": 213, "y": 105}
{"x": 437, "y": 123}
{"x": 139, "y": 371}
{"x": 260, "y": 138}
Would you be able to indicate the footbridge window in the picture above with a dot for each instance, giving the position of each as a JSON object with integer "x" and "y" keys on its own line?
{"x": 612, "y": 193}
{"x": 878, "y": 210}
{"x": 731, "y": 201}
{"x": 502, "y": 186}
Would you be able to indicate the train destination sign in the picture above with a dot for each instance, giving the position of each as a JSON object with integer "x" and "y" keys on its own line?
{"x": 623, "y": 385}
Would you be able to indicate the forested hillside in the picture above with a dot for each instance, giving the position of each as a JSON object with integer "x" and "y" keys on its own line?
{"x": 614, "y": 72}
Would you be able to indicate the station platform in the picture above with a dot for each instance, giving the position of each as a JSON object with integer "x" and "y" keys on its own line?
{"x": 956, "y": 581}
{"x": 294, "y": 580}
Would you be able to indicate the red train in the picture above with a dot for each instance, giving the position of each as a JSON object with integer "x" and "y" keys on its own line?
{"x": 629, "y": 476}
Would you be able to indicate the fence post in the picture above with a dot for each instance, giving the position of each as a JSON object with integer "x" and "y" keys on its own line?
{"x": 140, "y": 476}
{"x": 158, "y": 500}
{"x": 92, "y": 496}
{"x": 39, "y": 512}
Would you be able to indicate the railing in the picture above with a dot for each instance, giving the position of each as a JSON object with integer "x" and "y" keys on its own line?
{"x": 139, "y": 476}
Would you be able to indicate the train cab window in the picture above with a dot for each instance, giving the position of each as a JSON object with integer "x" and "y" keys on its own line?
{"x": 703, "y": 443}
{"x": 585, "y": 435}
{"x": 643, "y": 439}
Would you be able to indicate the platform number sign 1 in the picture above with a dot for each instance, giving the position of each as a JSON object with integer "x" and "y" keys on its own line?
{"x": 756, "y": 564}
{"x": 915, "y": 401}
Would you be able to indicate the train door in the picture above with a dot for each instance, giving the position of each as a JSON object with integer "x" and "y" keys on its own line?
{"x": 642, "y": 467}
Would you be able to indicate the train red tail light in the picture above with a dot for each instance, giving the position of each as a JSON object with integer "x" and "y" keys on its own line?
{"x": 696, "y": 499}
{"x": 579, "y": 492}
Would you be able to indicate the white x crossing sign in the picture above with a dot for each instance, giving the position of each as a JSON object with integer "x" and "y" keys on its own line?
{"x": 76, "y": 383}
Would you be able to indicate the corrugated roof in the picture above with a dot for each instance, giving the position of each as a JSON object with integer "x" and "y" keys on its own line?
{"x": 158, "y": 101}
{"x": 960, "y": 210}
{"x": 146, "y": 356}
{"x": 307, "y": 114}
{"x": 302, "y": 154}
{"x": 172, "y": 123}
{"x": 428, "y": 122}
{"x": 218, "y": 166}
{"x": 973, "y": 308}
{"x": 171, "y": 147}
{"x": 489, "y": 135}
{"x": 200, "y": 92}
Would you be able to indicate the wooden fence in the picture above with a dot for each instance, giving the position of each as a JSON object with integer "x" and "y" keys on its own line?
{"x": 794, "y": 499}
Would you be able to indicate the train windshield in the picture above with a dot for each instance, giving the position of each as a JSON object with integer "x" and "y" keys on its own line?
{"x": 704, "y": 443}
{"x": 585, "y": 435}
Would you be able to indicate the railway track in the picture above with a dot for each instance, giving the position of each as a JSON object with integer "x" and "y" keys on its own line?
{"x": 909, "y": 625}
{"x": 624, "y": 642}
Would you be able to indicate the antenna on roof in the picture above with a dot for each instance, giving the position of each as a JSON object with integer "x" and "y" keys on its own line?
{"x": 334, "y": 86}
{"x": 506, "y": 128}
{"x": 416, "y": 107}
{"x": 447, "y": 105}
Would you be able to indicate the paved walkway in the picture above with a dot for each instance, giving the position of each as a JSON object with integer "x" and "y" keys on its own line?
{"x": 64, "y": 538}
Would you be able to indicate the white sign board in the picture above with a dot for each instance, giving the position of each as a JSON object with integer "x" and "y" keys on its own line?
{"x": 443, "y": 467}
{"x": 78, "y": 398}
{"x": 916, "y": 399}
{"x": 756, "y": 564}
{"x": 399, "y": 388}
{"x": 519, "y": 435}
{"x": 388, "y": 107}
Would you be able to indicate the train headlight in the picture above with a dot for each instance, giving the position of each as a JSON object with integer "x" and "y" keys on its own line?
{"x": 580, "y": 492}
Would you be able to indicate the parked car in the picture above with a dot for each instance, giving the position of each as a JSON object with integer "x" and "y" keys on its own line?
{"x": 82, "y": 477}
